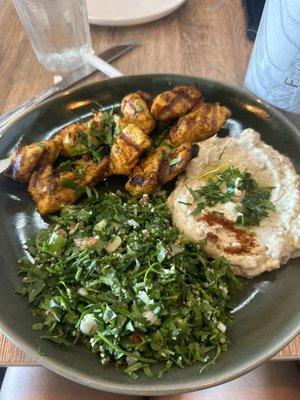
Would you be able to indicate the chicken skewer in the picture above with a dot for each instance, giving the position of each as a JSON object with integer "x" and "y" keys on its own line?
{"x": 73, "y": 141}
{"x": 136, "y": 123}
{"x": 135, "y": 110}
{"x": 128, "y": 138}
{"x": 174, "y": 103}
{"x": 131, "y": 143}
{"x": 27, "y": 158}
{"x": 52, "y": 190}
{"x": 201, "y": 123}
{"x": 160, "y": 167}
{"x": 204, "y": 121}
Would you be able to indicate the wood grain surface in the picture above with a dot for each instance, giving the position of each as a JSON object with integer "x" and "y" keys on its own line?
{"x": 198, "y": 39}
{"x": 271, "y": 381}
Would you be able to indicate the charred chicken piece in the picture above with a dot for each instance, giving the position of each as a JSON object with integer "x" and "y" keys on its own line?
{"x": 47, "y": 191}
{"x": 76, "y": 139}
{"x": 135, "y": 110}
{"x": 160, "y": 167}
{"x": 29, "y": 157}
{"x": 201, "y": 123}
{"x": 53, "y": 190}
{"x": 175, "y": 103}
{"x": 127, "y": 149}
{"x": 144, "y": 177}
{"x": 176, "y": 162}
{"x": 70, "y": 142}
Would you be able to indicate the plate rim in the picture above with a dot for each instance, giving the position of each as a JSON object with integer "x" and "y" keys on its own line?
{"x": 139, "y": 389}
{"x": 68, "y": 92}
{"x": 137, "y": 20}
{"x": 65, "y": 372}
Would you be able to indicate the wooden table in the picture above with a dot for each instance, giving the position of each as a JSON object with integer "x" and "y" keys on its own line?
{"x": 199, "y": 39}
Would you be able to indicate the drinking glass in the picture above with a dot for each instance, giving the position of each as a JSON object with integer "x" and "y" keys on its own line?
{"x": 58, "y": 31}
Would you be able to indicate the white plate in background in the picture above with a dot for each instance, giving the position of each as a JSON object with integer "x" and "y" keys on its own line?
{"x": 129, "y": 12}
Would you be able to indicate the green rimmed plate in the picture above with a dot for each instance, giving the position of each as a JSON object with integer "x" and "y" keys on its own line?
{"x": 266, "y": 312}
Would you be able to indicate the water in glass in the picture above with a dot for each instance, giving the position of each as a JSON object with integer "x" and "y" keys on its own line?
{"x": 58, "y": 31}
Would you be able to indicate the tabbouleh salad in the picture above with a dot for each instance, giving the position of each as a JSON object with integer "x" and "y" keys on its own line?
{"x": 114, "y": 274}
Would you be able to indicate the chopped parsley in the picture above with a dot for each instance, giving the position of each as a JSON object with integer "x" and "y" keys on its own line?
{"x": 138, "y": 108}
{"x": 73, "y": 185}
{"x": 114, "y": 274}
{"x": 65, "y": 166}
{"x": 99, "y": 137}
{"x": 160, "y": 136}
{"x": 175, "y": 161}
{"x": 222, "y": 187}
{"x": 80, "y": 171}
{"x": 256, "y": 203}
{"x": 85, "y": 140}
{"x": 108, "y": 130}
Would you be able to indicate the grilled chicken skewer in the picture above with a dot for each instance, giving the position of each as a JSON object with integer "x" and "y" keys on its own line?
{"x": 174, "y": 103}
{"x": 160, "y": 167}
{"x": 131, "y": 143}
{"x": 79, "y": 138}
{"x": 128, "y": 137}
{"x": 127, "y": 149}
{"x": 135, "y": 110}
{"x": 205, "y": 120}
{"x": 71, "y": 141}
{"x": 52, "y": 190}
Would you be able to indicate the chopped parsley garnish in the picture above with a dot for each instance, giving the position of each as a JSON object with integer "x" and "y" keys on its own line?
{"x": 256, "y": 203}
{"x": 175, "y": 161}
{"x": 87, "y": 143}
{"x": 138, "y": 108}
{"x": 77, "y": 168}
{"x": 108, "y": 130}
{"x": 222, "y": 187}
{"x": 73, "y": 185}
{"x": 160, "y": 136}
{"x": 80, "y": 171}
{"x": 65, "y": 166}
{"x": 99, "y": 137}
{"x": 114, "y": 274}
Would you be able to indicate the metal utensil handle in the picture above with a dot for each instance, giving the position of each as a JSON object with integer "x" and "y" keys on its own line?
{"x": 11, "y": 115}
{"x": 106, "y": 57}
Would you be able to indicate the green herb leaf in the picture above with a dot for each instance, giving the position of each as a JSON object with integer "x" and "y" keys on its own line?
{"x": 55, "y": 244}
{"x": 73, "y": 185}
{"x": 65, "y": 166}
{"x": 37, "y": 327}
{"x": 138, "y": 108}
{"x": 175, "y": 161}
{"x": 256, "y": 202}
{"x": 161, "y": 252}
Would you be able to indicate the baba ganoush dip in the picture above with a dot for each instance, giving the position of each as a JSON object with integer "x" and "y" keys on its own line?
{"x": 206, "y": 204}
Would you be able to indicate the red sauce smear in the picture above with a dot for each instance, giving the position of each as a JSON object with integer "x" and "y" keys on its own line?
{"x": 246, "y": 240}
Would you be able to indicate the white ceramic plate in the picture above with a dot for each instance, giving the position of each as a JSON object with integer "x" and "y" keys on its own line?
{"x": 129, "y": 12}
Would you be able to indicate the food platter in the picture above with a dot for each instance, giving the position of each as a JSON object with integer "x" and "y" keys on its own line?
{"x": 266, "y": 316}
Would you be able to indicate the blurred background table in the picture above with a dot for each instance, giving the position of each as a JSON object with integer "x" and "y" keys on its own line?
{"x": 202, "y": 38}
